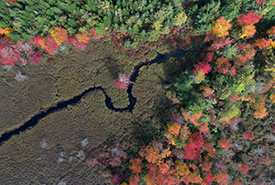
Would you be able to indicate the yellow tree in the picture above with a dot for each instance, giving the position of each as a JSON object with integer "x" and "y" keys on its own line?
{"x": 221, "y": 26}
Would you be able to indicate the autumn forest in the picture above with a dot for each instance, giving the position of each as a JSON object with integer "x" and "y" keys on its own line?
{"x": 144, "y": 92}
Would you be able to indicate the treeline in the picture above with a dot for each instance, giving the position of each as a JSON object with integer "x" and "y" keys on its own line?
{"x": 143, "y": 19}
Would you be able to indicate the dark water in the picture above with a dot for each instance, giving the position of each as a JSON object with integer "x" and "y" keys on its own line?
{"x": 179, "y": 53}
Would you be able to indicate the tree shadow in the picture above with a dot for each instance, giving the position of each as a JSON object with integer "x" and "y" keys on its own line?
{"x": 152, "y": 128}
{"x": 113, "y": 67}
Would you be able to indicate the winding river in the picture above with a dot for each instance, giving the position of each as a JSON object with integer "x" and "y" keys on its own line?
{"x": 177, "y": 54}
